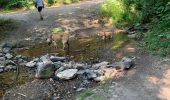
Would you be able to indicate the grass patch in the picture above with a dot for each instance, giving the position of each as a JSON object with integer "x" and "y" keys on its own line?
{"x": 85, "y": 94}
{"x": 59, "y": 30}
{"x": 119, "y": 12}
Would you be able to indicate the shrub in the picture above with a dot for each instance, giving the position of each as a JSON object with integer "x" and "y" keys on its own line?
{"x": 154, "y": 12}
{"x": 119, "y": 11}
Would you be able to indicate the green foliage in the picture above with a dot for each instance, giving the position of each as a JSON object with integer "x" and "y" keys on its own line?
{"x": 158, "y": 39}
{"x": 59, "y": 30}
{"x": 19, "y": 4}
{"x": 119, "y": 11}
{"x": 11, "y": 4}
{"x": 134, "y": 12}
{"x": 85, "y": 94}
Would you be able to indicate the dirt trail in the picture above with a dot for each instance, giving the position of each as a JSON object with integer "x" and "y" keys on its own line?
{"x": 149, "y": 80}
{"x": 30, "y": 26}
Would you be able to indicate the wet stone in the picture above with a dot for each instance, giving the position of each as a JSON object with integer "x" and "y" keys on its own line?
{"x": 98, "y": 65}
{"x": 79, "y": 66}
{"x": 8, "y": 56}
{"x": 45, "y": 70}
{"x": 57, "y": 65}
{"x": 10, "y": 62}
{"x": 6, "y": 50}
{"x": 80, "y": 89}
{"x": 90, "y": 74}
{"x": 18, "y": 56}
{"x": 30, "y": 64}
{"x": 1, "y": 54}
{"x": 1, "y": 69}
{"x": 66, "y": 74}
{"x": 56, "y": 59}
{"x": 11, "y": 67}
{"x": 128, "y": 62}
{"x": 45, "y": 58}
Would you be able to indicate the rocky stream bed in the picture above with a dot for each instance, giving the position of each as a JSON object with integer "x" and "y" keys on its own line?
{"x": 52, "y": 74}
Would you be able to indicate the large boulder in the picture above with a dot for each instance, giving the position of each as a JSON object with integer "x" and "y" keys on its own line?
{"x": 66, "y": 74}
{"x": 45, "y": 70}
{"x": 125, "y": 63}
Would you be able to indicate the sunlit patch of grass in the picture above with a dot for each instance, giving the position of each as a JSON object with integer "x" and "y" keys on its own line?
{"x": 85, "y": 94}
{"x": 59, "y": 30}
{"x": 117, "y": 45}
{"x": 119, "y": 12}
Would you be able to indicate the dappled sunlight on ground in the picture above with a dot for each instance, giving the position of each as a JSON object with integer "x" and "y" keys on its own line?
{"x": 164, "y": 91}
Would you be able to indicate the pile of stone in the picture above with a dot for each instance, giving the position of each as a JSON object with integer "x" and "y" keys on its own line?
{"x": 8, "y": 61}
{"x": 51, "y": 65}
{"x": 59, "y": 67}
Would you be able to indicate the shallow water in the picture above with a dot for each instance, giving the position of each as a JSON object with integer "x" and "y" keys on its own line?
{"x": 81, "y": 50}
{"x": 90, "y": 50}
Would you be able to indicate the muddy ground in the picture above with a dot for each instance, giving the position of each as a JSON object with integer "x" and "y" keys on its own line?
{"x": 147, "y": 80}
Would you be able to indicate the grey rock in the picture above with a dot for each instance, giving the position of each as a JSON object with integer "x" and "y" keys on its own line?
{"x": 30, "y": 64}
{"x": 67, "y": 74}
{"x": 45, "y": 58}
{"x": 45, "y": 70}
{"x": 90, "y": 74}
{"x": 36, "y": 59}
{"x": 1, "y": 54}
{"x": 81, "y": 72}
{"x": 128, "y": 62}
{"x": 57, "y": 65}
{"x": 125, "y": 63}
{"x": 80, "y": 89}
{"x": 68, "y": 65}
{"x": 2, "y": 59}
{"x": 2, "y": 69}
{"x": 98, "y": 79}
{"x": 9, "y": 45}
{"x": 56, "y": 59}
{"x": 6, "y": 47}
{"x": 0, "y": 50}
{"x": 60, "y": 69}
{"x": 79, "y": 66}
{"x": 99, "y": 72}
{"x": 6, "y": 50}
{"x": 10, "y": 62}
{"x": 98, "y": 65}
{"x": 8, "y": 56}
{"x": 11, "y": 67}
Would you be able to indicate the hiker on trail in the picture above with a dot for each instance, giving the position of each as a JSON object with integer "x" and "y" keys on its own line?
{"x": 39, "y": 4}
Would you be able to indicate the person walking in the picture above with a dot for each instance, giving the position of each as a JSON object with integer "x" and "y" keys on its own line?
{"x": 39, "y": 4}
